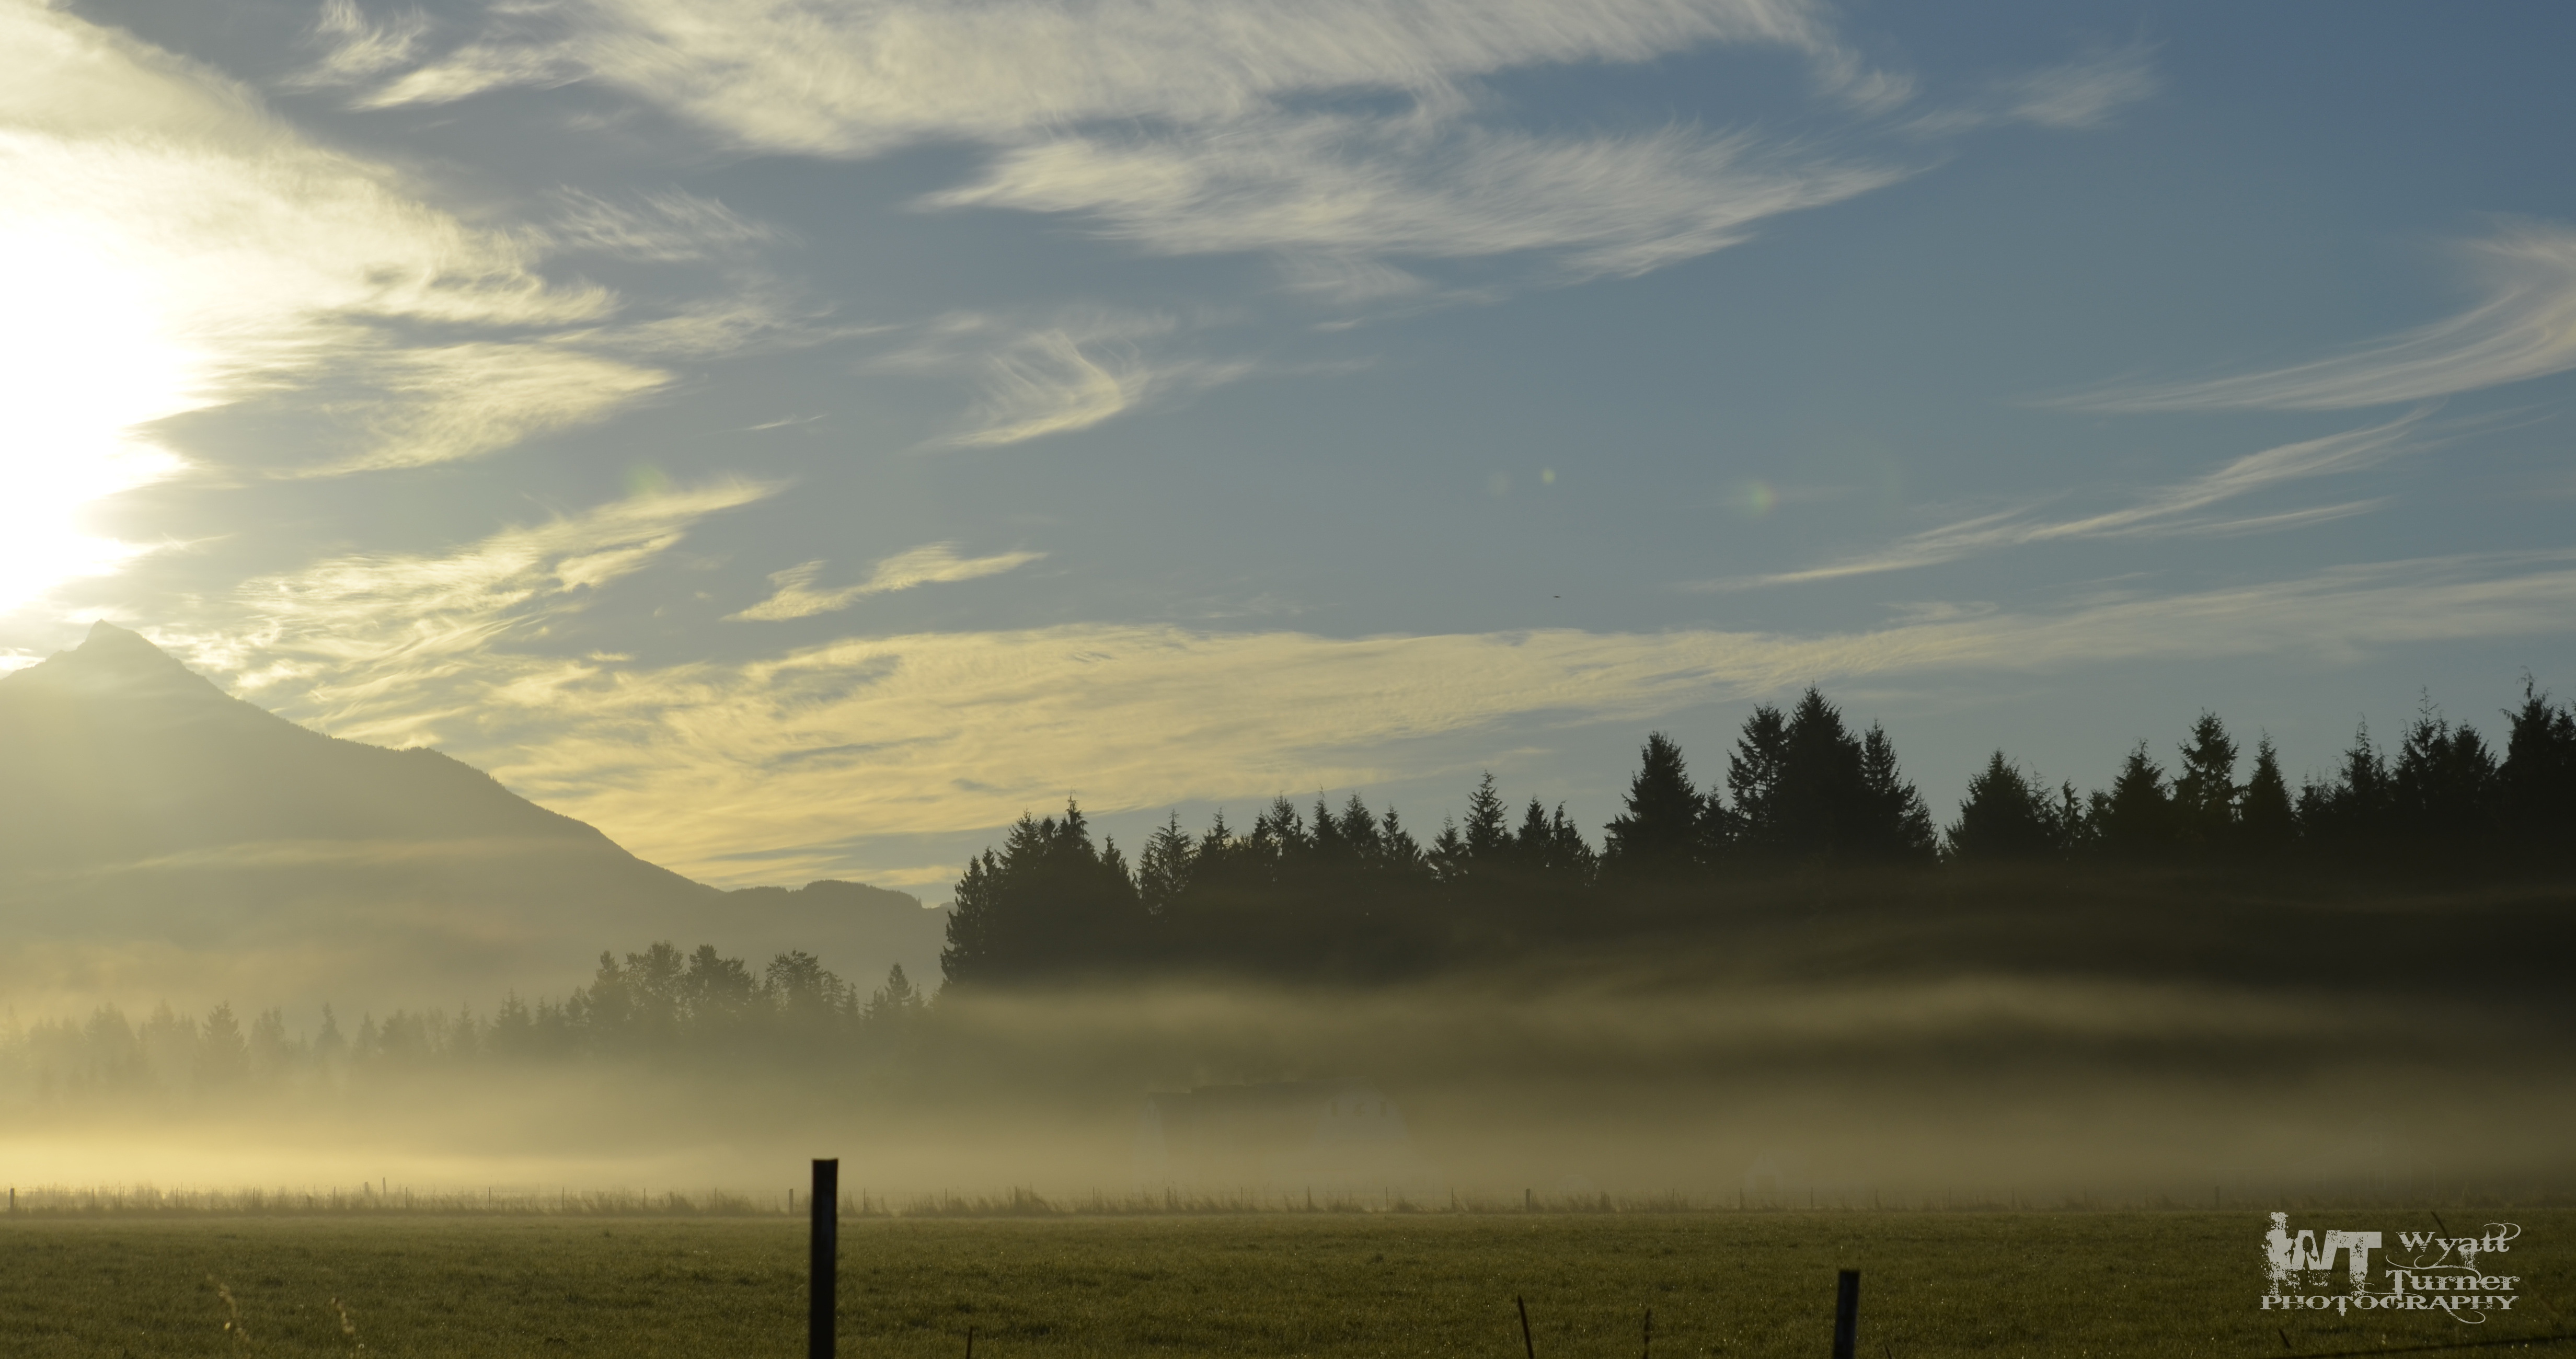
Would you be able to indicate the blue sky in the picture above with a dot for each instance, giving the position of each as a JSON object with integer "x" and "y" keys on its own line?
{"x": 799, "y": 435}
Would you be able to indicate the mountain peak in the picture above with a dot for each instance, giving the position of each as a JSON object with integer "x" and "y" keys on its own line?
{"x": 115, "y": 661}
{"x": 107, "y": 641}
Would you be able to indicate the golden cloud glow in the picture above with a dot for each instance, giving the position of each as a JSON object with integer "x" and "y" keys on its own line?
{"x": 729, "y": 770}
{"x": 167, "y": 247}
{"x": 932, "y": 564}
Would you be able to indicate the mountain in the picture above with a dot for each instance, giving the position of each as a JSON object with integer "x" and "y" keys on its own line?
{"x": 161, "y": 839}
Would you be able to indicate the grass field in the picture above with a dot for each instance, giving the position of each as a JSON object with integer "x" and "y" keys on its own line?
{"x": 1730, "y": 1284}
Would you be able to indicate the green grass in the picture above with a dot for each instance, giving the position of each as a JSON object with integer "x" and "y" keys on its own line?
{"x": 1933, "y": 1284}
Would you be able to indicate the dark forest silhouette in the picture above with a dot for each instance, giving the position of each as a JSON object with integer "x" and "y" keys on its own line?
{"x": 1812, "y": 835}
{"x": 1353, "y": 895}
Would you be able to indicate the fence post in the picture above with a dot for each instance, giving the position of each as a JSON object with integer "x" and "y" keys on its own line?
{"x": 825, "y": 1271}
{"x": 1847, "y": 1314}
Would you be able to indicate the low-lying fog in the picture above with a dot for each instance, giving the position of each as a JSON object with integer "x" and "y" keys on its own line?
{"x": 1959, "y": 1088}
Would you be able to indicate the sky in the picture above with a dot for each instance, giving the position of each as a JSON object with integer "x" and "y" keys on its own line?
{"x": 800, "y": 436}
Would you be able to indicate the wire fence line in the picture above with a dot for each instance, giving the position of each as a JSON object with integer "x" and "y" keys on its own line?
{"x": 383, "y": 1198}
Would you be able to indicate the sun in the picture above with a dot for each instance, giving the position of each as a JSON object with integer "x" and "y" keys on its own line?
{"x": 87, "y": 362}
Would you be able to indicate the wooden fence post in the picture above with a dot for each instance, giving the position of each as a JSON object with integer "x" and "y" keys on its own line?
{"x": 825, "y": 1269}
{"x": 1847, "y": 1314}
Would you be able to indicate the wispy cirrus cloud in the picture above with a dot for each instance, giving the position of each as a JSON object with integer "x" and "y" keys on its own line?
{"x": 2083, "y": 93}
{"x": 858, "y": 77}
{"x": 172, "y": 249}
{"x": 1347, "y": 188}
{"x": 794, "y": 596}
{"x": 452, "y": 402}
{"x": 1034, "y": 378}
{"x": 665, "y": 227}
{"x": 179, "y": 250}
{"x": 361, "y": 636}
{"x": 355, "y": 48}
{"x": 1196, "y": 128}
{"x": 2524, "y": 328}
{"x": 711, "y": 767}
{"x": 2184, "y": 509}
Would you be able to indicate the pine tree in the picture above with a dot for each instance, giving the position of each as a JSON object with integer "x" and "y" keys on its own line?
{"x": 2352, "y": 813}
{"x": 2134, "y": 820}
{"x": 968, "y": 953}
{"x": 1898, "y": 828}
{"x": 2005, "y": 817}
{"x": 2443, "y": 787}
{"x": 2536, "y": 788}
{"x": 272, "y": 1054}
{"x": 2267, "y": 825}
{"x": 2205, "y": 791}
{"x": 1049, "y": 905}
{"x": 1658, "y": 838}
{"x": 892, "y": 1010}
{"x": 1488, "y": 830}
{"x": 1753, "y": 775}
{"x": 223, "y": 1054}
{"x": 1163, "y": 870}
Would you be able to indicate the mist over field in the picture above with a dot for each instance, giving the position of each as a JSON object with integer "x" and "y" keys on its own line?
{"x": 250, "y": 957}
{"x": 1852, "y": 1063}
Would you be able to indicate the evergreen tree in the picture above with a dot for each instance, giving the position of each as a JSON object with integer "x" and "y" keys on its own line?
{"x": 2135, "y": 820}
{"x": 2005, "y": 816}
{"x": 1753, "y": 776}
{"x": 2205, "y": 791}
{"x": 1051, "y": 904}
{"x": 223, "y": 1054}
{"x": 514, "y": 1029}
{"x": 970, "y": 913}
{"x": 2353, "y": 812}
{"x": 330, "y": 1048}
{"x": 1488, "y": 830}
{"x": 1163, "y": 870}
{"x": 892, "y": 1011}
{"x": 2443, "y": 787}
{"x": 2267, "y": 825}
{"x": 1658, "y": 838}
{"x": 1898, "y": 828}
{"x": 272, "y": 1054}
{"x": 2536, "y": 788}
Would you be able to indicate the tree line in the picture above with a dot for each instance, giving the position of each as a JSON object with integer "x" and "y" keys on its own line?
{"x": 1353, "y": 894}
{"x": 657, "y": 1005}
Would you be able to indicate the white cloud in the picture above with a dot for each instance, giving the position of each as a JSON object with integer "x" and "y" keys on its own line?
{"x": 2525, "y": 328}
{"x": 1071, "y": 372}
{"x": 856, "y": 77}
{"x": 665, "y": 227}
{"x": 933, "y": 564}
{"x": 697, "y": 766}
{"x": 2179, "y": 510}
{"x": 358, "y": 48}
{"x": 167, "y": 247}
{"x": 1351, "y": 188}
{"x": 453, "y": 402}
{"x": 2081, "y": 94}
{"x": 363, "y": 638}
{"x": 1188, "y": 126}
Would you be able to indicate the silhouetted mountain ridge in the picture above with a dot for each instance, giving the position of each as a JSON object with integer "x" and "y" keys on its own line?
{"x": 116, "y": 752}
{"x": 161, "y": 837}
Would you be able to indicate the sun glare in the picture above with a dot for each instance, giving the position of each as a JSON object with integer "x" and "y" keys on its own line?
{"x": 89, "y": 363}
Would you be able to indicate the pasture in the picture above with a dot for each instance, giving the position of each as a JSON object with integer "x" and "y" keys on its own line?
{"x": 1329, "y": 1284}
